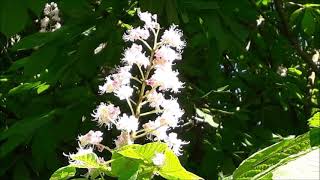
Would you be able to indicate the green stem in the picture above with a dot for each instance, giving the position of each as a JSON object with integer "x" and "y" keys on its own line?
{"x": 136, "y": 79}
{"x": 141, "y": 73}
{"x": 151, "y": 112}
{"x": 145, "y": 43}
{"x": 129, "y": 103}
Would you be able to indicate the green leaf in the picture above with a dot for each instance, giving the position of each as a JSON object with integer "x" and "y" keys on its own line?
{"x": 315, "y": 137}
{"x": 63, "y": 173}
{"x": 201, "y": 5}
{"x": 36, "y": 6}
{"x": 263, "y": 2}
{"x": 304, "y": 167}
{"x": 88, "y": 160}
{"x": 221, "y": 89}
{"x": 124, "y": 167}
{"x": 34, "y": 40}
{"x": 294, "y": 16}
{"x": 206, "y": 118}
{"x": 130, "y": 153}
{"x": 13, "y": 16}
{"x": 42, "y": 87}
{"x": 21, "y": 172}
{"x": 294, "y": 71}
{"x": 308, "y": 22}
{"x": 145, "y": 152}
{"x": 134, "y": 156}
{"x": 262, "y": 163}
{"x": 314, "y": 121}
{"x": 21, "y": 130}
{"x": 23, "y": 88}
{"x": 311, "y": 5}
{"x": 171, "y": 11}
{"x": 11, "y": 144}
{"x": 172, "y": 169}
{"x": 140, "y": 156}
{"x": 76, "y": 9}
{"x": 28, "y": 87}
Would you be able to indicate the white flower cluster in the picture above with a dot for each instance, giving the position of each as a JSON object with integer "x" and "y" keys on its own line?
{"x": 51, "y": 20}
{"x": 145, "y": 81}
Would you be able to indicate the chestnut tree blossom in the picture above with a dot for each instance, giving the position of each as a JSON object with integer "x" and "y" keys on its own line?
{"x": 147, "y": 82}
{"x": 51, "y": 20}
{"x": 147, "y": 65}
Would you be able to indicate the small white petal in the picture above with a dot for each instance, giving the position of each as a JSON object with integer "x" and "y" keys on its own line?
{"x": 92, "y": 137}
{"x": 124, "y": 92}
{"x": 166, "y": 79}
{"x": 134, "y": 55}
{"x": 136, "y": 34}
{"x": 158, "y": 159}
{"x": 128, "y": 123}
{"x": 172, "y": 37}
{"x": 106, "y": 114}
{"x": 175, "y": 144}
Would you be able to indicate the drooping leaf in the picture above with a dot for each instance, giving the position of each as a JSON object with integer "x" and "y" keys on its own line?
{"x": 304, "y": 167}
{"x": 124, "y": 167}
{"x": 140, "y": 157}
{"x": 23, "y": 88}
{"x": 172, "y": 169}
{"x": 262, "y": 163}
{"x": 42, "y": 87}
{"x": 63, "y": 173}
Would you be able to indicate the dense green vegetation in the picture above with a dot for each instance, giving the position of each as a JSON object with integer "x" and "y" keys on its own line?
{"x": 251, "y": 71}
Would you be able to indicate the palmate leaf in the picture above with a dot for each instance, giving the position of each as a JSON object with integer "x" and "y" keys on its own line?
{"x": 137, "y": 160}
{"x": 172, "y": 169}
{"x": 261, "y": 164}
{"x": 125, "y": 168}
{"x": 144, "y": 152}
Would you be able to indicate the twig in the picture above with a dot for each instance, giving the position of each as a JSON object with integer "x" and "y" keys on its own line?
{"x": 221, "y": 111}
{"x": 292, "y": 39}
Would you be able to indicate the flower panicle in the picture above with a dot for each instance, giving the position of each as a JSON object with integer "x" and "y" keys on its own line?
{"x": 149, "y": 61}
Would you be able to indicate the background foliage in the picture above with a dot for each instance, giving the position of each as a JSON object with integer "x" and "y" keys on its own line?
{"x": 253, "y": 84}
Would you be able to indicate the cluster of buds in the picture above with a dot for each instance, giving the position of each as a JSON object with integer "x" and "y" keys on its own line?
{"x": 51, "y": 20}
{"x": 148, "y": 93}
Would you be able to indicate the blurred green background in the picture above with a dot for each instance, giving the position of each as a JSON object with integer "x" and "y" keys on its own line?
{"x": 250, "y": 68}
